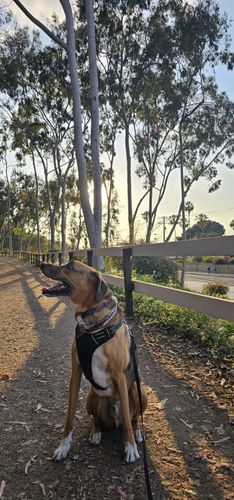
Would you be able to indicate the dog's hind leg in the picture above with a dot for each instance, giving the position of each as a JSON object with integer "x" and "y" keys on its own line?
{"x": 64, "y": 447}
{"x": 135, "y": 411}
{"x": 131, "y": 452}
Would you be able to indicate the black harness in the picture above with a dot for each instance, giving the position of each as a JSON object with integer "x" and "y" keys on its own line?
{"x": 87, "y": 343}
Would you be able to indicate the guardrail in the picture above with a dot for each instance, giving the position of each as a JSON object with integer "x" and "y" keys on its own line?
{"x": 219, "y": 308}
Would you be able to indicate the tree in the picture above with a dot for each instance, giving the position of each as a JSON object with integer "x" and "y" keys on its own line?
{"x": 205, "y": 228}
{"x": 177, "y": 116}
{"x": 92, "y": 218}
{"x": 120, "y": 27}
{"x": 232, "y": 224}
{"x": 189, "y": 207}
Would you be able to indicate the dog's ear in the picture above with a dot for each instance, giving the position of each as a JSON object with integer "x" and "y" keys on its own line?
{"x": 100, "y": 287}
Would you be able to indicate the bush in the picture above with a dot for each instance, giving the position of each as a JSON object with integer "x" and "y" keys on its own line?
{"x": 113, "y": 264}
{"x": 197, "y": 259}
{"x": 208, "y": 260}
{"x": 215, "y": 289}
{"x": 220, "y": 261}
{"x": 217, "y": 335}
{"x": 161, "y": 270}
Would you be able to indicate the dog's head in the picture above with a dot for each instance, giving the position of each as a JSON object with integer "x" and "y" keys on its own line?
{"x": 83, "y": 284}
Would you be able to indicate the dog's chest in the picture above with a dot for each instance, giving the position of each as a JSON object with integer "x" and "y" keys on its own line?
{"x": 100, "y": 374}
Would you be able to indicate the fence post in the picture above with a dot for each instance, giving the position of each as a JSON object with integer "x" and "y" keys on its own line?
{"x": 70, "y": 256}
{"x": 128, "y": 285}
{"x": 60, "y": 258}
{"x": 90, "y": 257}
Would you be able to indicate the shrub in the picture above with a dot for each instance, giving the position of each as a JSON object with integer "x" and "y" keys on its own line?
{"x": 162, "y": 270}
{"x": 208, "y": 259}
{"x": 197, "y": 259}
{"x": 215, "y": 289}
{"x": 113, "y": 264}
{"x": 220, "y": 260}
{"x": 217, "y": 335}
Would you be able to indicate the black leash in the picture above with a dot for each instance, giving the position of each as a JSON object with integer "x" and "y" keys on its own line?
{"x": 146, "y": 469}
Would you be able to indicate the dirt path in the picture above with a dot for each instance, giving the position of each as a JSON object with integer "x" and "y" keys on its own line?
{"x": 189, "y": 422}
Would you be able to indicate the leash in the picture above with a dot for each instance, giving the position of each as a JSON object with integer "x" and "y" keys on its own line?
{"x": 146, "y": 468}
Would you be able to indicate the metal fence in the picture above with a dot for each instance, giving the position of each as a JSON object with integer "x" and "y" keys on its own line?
{"x": 219, "y": 308}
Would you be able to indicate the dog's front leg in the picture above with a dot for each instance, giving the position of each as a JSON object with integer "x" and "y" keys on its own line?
{"x": 131, "y": 452}
{"x": 63, "y": 449}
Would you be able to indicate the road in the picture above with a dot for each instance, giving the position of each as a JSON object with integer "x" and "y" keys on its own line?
{"x": 196, "y": 280}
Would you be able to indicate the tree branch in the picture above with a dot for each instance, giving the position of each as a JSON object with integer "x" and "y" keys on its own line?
{"x": 49, "y": 33}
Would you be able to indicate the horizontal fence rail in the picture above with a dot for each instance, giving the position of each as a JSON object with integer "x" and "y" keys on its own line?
{"x": 219, "y": 308}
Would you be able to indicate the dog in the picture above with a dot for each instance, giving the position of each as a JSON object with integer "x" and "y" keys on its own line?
{"x": 102, "y": 350}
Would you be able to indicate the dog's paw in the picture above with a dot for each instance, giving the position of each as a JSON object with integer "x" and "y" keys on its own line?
{"x": 95, "y": 438}
{"x": 63, "y": 449}
{"x": 131, "y": 452}
{"x": 138, "y": 436}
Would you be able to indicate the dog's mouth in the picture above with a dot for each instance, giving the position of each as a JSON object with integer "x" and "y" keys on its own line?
{"x": 63, "y": 288}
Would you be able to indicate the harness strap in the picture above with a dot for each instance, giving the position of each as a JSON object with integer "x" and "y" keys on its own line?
{"x": 146, "y": 469}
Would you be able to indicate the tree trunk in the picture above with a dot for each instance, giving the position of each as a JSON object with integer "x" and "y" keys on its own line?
{"x": 10, "y": 241}
{"x": 63, "y": 215}
{"x": 52, "y": 232}
{"x": 37, "y": 205}
{"x": 129, "y": 183}
{"x": 150, "y": 220}
{"x": 182, "y": 201}
{"x": 95, "y": 140}
{"x": 79, "y": 146}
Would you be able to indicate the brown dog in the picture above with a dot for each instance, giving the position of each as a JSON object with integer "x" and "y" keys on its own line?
{"x": 101, "y": 349}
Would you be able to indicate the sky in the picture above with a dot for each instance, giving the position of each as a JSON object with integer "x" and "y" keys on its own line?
{"x": 218, "y": 206}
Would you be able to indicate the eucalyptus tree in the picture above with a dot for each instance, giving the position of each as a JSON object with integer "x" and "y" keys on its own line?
{"x": 51, "y": 200}
{"x": 42, "y": 123}
{"x": 93, "y": 218}
{"x": 121, "y": 32}
{"x": 182, "y": 121}
{"x": 21, "y": 214}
